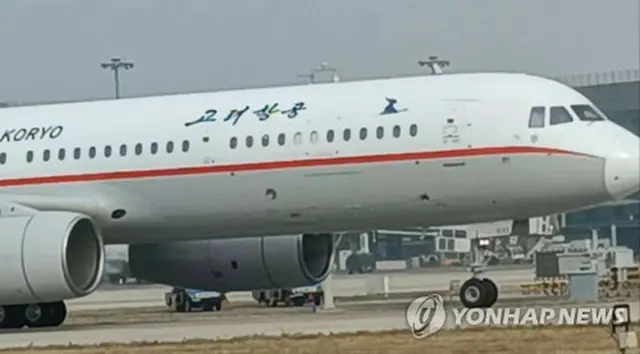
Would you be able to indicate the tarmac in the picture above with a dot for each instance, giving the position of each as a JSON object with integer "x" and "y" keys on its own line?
{"x": 137, "y": 315}
{"x": 342, "y": 286}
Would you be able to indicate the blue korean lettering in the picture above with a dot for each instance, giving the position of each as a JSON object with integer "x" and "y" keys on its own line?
{"x": 236, "y": 114}
{"x": 208, "y": 116}
{"x": 293, "y": 112}
{"x": 265, "y": 112}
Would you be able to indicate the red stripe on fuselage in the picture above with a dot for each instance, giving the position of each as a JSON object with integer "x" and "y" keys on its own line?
{"x": 278, "y": 165}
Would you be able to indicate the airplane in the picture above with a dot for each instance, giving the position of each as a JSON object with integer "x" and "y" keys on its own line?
{"x": 243, "y": 189}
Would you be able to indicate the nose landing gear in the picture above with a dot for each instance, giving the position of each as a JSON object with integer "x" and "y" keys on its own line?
{"x": 478, "y": 293}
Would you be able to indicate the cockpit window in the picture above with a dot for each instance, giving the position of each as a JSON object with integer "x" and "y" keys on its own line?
{"x": 586, "y": 113}
{"x": 536, "y": 117}
{"x": 559, "y": 115}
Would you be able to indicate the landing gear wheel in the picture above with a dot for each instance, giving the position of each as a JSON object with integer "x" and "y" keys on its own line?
{"x": 473, "y": 293}
{"x": 492, "y": 292}
{"x": 35, "y": 316}
{"x": 11, "y": 317}
{"x": 57, "y": 313}
{"x": 45, "y": 314}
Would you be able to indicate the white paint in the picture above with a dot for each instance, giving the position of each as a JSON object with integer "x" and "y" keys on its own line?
{"x": 490, "y": 110}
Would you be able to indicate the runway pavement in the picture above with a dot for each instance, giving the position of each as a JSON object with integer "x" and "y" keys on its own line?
{"x": 158, "y": 325}
{"x": 136, "y": 315}
{"x": 343, "y": 286}
{"x": 208, "y": 328}
{"x": 342, "y": 273}
{"x": 440, "y": 269}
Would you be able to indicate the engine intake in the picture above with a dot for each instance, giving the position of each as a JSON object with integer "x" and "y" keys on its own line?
{"x": 236, "y": 264}
{"x": 49, "y": 256}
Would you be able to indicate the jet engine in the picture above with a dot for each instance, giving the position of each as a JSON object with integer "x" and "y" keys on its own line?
{"x": 237, "y": 264}
{"x": 48, "y": 256}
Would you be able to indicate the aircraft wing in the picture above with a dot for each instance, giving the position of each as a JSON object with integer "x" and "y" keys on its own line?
{"x": 26, "y": 204}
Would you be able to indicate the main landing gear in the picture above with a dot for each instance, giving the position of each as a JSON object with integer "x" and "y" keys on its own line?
{"x": 39, "y": 315}
{"x": 478, "y": 293}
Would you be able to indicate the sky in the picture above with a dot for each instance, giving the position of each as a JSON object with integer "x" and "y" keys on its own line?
{"x": 51, "y": 50}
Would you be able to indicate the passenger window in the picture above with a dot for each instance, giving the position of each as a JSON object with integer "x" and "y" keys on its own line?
{"x": 154, "y": 148}
{"x": 297, "y": 138}
{"x": 380, "y": 132}
{"x": 46, "y": 155}
{"x": 330, "y": 135}
{"x": 586, "y": 113}
{"x": 265, "y": 140}
{"x": 314, "y": 137}
{"x": 3, "y": 158}
{"x": 281, "y": 139}
{"x": 29, "y": 156}
{"x": 107, "y": 151}
{"x": 92, "y": 152}
{"x": 413, "y": 130}
{"x": 363, "y": 133}
{"x": 536, "y": 117}
{"x": 346, "y": 134}
{"x": 123, "y": 150}
{"x": 396, "y": 131}
{"x": 138, "y": 149}
{"x": 185, "y": 145}
{"x": 249, "y": 141}
{"x": 233, "y": 142}
{"x": 169, "y": 147}
{"x": 559, "y": 115}
{"x": 61, "y": 154}
{"x": 77, "y": 153}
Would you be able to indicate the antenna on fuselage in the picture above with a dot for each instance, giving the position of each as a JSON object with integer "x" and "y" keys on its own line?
{"x": 436, "y": 65}
{"x": 323, "y": 67}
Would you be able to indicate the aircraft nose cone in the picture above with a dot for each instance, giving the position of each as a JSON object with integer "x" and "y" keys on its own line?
{"x": 622, "y": 172}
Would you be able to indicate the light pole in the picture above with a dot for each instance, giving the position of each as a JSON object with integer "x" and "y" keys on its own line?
{"x": 434, "y": 64}
{"x": 116, "y": 64}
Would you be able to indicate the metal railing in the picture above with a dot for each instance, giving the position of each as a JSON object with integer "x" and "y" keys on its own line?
{"x": 601, "y": 78}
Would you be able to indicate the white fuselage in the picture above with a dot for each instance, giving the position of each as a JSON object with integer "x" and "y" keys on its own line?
{"x": 469, "y": 157}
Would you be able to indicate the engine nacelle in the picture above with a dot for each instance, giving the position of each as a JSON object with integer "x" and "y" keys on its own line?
{"x": 48, "y": 256}
{"x": 236, "y": 264}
